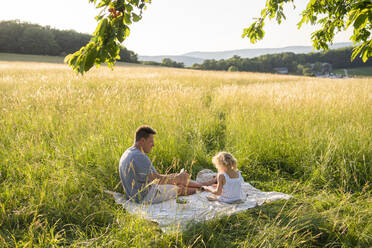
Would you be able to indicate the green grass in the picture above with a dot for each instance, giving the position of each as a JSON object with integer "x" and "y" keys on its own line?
{"x": 15, "y": 57}
{"x": 62, "y": 136}
{"x": 30, "y": 58}
{"x": 365, "y": 71}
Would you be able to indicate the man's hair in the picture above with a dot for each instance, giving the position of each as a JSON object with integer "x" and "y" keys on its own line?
{"x": 144, "y": 132}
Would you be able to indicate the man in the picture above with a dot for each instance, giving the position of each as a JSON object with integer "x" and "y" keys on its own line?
{"x": 142, "y": 182}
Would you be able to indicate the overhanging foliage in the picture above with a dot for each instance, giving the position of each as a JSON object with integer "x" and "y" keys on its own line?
{"x": 332, "y": 15}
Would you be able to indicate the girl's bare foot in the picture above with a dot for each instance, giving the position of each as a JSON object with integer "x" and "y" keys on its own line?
{"x": 210, "y": 182}
{"x": 211, "y": 198}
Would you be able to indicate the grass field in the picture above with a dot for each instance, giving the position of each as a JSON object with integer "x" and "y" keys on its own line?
{"x": 30, "y": 58}
{"x": 16, "y": 57}
{"x": 365, "y": 71}
{"x": 62, "y": 136}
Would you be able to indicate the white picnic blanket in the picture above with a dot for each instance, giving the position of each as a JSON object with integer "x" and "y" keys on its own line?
{"x": 176, "y": 214}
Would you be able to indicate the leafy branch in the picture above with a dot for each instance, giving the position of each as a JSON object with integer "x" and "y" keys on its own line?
{"x": 336, "y": 16}
{"x": 112, "y": 29}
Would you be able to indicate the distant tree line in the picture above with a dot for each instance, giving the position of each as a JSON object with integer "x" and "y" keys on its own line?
{"x": 295, "y": 63}
{"x": 165, "y": 62}
{"x": 27, "y": 38}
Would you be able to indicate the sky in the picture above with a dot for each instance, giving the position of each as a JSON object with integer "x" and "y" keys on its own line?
{"x": 175, "y": 27}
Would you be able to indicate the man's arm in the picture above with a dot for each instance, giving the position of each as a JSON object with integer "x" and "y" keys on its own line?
{"x": 179, "y": 178}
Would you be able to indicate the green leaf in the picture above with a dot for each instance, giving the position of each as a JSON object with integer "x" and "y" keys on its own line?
{"x": 351, "y": 18}
{"x": 127, "y": 20}
{"x": 67, "y": 58}
{"x": 356, "y": 51}
{"x": 360, "y": 21}
{"x": 365, "y": 55}
{"x": 101, "y": 28}
{"x": 99, "y": 17}
{"x": 101, "y": 4}
{"x": 136, "y": 17}
{"x": 129, "y": 8}
{"x": 90, "y": 58}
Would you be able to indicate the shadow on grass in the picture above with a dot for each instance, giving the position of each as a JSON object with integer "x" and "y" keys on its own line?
{"x": 279, "y": 224}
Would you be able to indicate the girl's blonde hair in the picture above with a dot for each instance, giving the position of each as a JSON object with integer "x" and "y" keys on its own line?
{"x": 224, "y": 160}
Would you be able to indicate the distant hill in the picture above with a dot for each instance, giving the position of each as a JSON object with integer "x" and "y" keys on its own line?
{"x": 17, "y": 37}
{"x": 251, "y": 53}
{"x": 198, "y": 57}
{"x": 187, "y": 60}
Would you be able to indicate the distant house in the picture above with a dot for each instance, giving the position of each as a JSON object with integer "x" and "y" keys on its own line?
{"x": 321, "y": 69}
{"x": 325, "y": 71}
{"x": 326, "y": 68}
{"x": 281, "y": 70}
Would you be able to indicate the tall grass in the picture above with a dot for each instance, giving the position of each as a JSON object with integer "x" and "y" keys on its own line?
{"x": 62, "y": 136}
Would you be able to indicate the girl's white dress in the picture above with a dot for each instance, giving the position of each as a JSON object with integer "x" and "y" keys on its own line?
{"x": 232, "y": 189}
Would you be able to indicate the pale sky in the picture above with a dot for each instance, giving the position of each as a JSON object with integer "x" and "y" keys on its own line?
{"x": 173, "y": 27}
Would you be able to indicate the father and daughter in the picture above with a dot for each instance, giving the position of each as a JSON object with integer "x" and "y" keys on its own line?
{"x": 142, "y": 182}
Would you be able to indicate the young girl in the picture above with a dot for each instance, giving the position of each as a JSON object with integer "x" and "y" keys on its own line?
{"x": 229, "y": 179}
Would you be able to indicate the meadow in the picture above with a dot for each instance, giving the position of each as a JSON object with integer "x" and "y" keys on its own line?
{"x": 356, "y": 72}
{"x": 62, "y": 136}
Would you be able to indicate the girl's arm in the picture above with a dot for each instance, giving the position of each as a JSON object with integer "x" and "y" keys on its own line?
{"x": 220, "y": 182}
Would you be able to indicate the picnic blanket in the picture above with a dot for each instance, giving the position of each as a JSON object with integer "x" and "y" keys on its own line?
{"x": 176, "y": 214}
